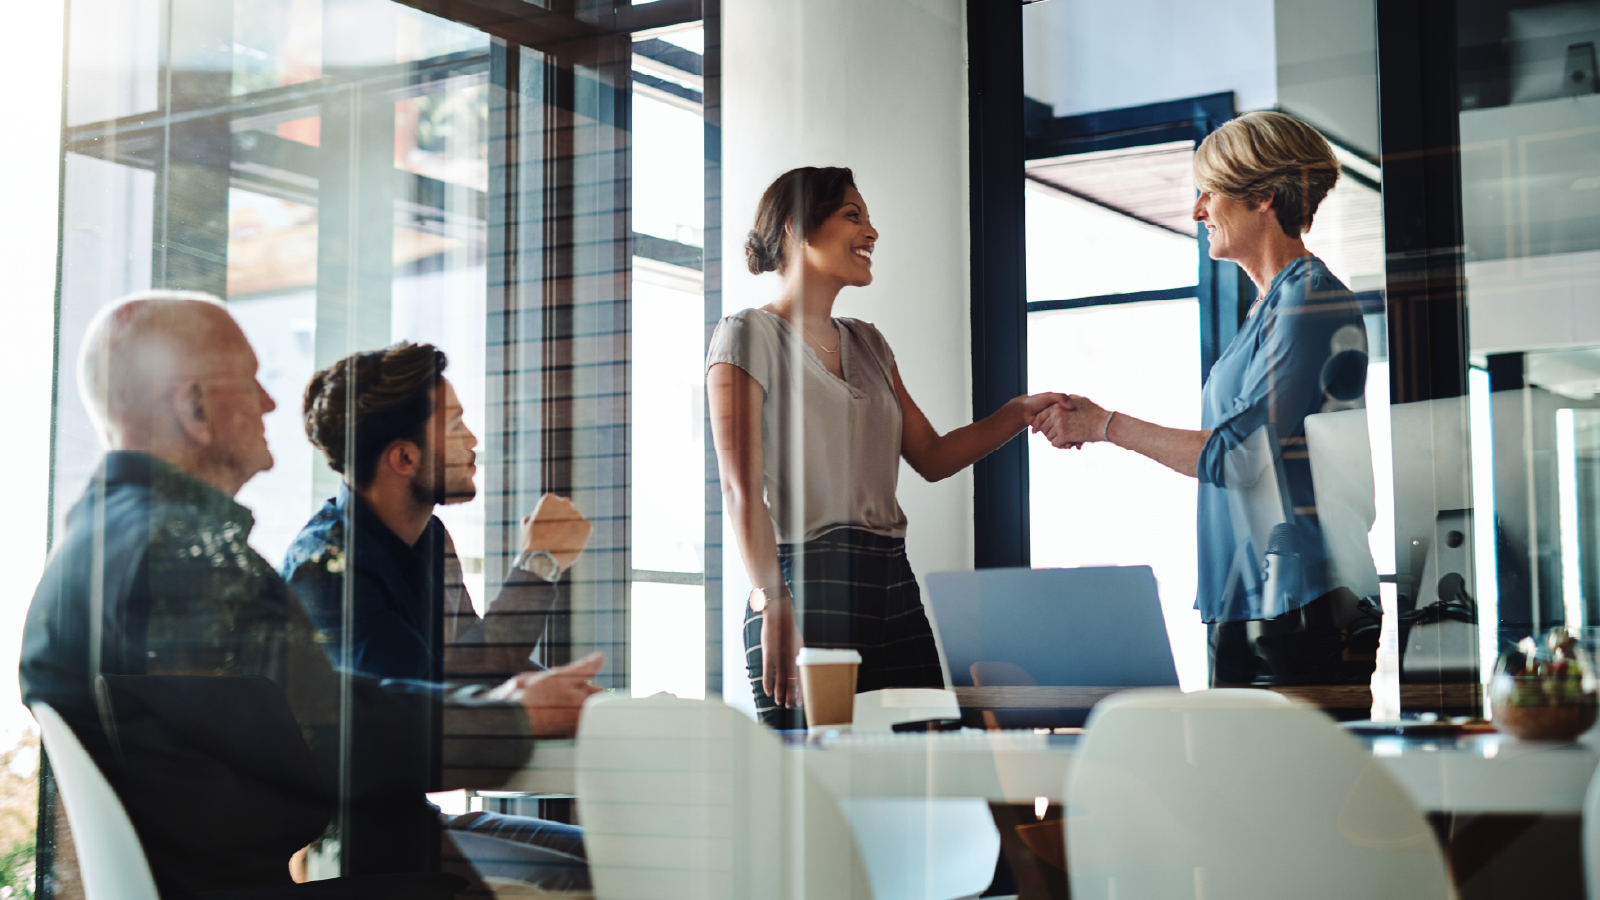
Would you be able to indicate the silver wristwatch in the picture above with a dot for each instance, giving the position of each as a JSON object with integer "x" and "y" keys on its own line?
{"x": 539, "y": 563}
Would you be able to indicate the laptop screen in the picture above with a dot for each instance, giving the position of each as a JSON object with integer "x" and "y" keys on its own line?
{"x": 1093, "y": 626}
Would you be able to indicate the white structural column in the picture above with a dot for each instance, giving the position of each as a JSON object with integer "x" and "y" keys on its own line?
{"x": 880, "y": 87}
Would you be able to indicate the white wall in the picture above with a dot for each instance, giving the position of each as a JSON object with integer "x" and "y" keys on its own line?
{"x": 879, "y": 86}
{"x": 1087, "y": 55}
{"x": 1537, "y": 303}
{"x": 1328, "y": 67}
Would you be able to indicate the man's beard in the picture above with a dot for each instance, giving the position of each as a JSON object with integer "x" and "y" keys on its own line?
{"x": 428, "y": 493}
{"x": 435, "y": 491}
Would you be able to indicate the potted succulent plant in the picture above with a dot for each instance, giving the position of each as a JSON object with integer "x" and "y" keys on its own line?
{"x": 1545, "y": 693}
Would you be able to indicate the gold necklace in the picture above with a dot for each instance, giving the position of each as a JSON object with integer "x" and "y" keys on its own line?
{"x": 819, "y": 343}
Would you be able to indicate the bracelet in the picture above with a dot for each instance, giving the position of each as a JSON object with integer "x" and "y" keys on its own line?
{"x": 761, "y": 596}
{"x": 1105, "y": 430}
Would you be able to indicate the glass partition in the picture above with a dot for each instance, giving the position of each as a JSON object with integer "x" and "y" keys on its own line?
{"x": 462, "y": 253}
{"x": 1528, "y": 145}
{"x": 690, "y": 449}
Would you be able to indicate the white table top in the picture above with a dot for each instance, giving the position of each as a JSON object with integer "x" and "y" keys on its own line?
{"x": 1478, "y": 774}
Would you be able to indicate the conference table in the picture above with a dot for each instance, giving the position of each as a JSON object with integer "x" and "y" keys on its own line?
{"x": 1488, "y": 794}
{"x": 1477, "y": 774}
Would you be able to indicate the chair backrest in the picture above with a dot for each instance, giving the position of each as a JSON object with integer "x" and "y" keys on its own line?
{"x": 1591, "y": 837}
{"x": 877, "y": 712}
{"x": 691, "y": 799}
{"x": 110, "y": 856}
{"x": 1240, "y": 794}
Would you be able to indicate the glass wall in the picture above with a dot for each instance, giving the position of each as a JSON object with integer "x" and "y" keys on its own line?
{"x": 523, "y": 194}
{"x": 596, "y": 447}
{"x": 1528, "y": 146}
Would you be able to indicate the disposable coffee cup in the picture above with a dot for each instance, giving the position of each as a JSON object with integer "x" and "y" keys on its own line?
{"x": 828, "y": 686}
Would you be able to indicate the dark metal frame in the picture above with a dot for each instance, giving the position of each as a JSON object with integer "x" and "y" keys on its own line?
{"x": 1179, "y": 293}
{"x": 711, "y": 17}
{"x": 1419, "y": 133}
{"x": 995, "y": 140}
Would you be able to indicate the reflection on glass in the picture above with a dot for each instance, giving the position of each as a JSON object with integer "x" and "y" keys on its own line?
{"x": 1529, "y": 121}
{"x": 116, "y": 47}
{"x": 272, "y": 277}
{"x": 276, "y": 43}
{"x": 1483, "y": 522}
{"x": 336, "y": 172}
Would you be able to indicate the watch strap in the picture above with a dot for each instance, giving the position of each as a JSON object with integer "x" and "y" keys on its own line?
{"x": 541, "y": 564}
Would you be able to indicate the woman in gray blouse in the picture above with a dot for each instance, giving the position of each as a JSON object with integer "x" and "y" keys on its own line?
{"x": 810, "y": 420}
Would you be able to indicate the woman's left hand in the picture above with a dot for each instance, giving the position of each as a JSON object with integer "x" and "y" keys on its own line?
{"x": 1080, "y": 422}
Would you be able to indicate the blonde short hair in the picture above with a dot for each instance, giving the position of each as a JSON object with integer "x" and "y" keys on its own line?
{"x": 1263, "y": 155}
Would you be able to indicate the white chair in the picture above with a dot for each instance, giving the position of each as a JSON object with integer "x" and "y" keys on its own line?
{"x": 877, "y": 712}
{"x": 920, "y": 848}
{"x": 1238, "y": 794}
{"x": 684, "y": 799}
{"x": 1591, "y": 837}
{"x": 110, "y": 857}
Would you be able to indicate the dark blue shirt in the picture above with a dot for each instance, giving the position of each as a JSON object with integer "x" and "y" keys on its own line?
{"x": 1300, "y": 352}
{"x": 152, "y": 574}
{"x": 166, "y": 559}
{"x": 411, "y": 617}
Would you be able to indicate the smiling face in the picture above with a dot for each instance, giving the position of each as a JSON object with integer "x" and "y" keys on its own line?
{"x": 842, "y": 247}
{"x": 1235, "y": 228}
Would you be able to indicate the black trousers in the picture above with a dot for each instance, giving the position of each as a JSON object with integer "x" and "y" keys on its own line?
{"x": 1302, "y": 646}
{"x": 852, "y": 590}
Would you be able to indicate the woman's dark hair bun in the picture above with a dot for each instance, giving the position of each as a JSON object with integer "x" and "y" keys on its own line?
{"x": 757, "y": 255}
{"x": 806, "y": 197}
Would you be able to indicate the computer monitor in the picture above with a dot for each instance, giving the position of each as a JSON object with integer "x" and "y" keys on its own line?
{"x": 1097, "y": 626}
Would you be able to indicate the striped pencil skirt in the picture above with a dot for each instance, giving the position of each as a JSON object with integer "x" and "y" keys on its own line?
{"x": 852, "y": 590}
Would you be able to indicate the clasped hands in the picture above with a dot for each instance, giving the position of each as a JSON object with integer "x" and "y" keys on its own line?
{"x": 1067, "y": 421}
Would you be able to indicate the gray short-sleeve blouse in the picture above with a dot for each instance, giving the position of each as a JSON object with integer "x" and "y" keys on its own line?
{"x": 830, "y": 446}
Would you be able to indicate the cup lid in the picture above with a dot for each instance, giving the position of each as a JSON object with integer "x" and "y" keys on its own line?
{"x": 811, "y": 656}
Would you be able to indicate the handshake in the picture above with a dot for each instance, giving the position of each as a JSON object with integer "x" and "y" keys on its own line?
{"x": 1067, "y": 421}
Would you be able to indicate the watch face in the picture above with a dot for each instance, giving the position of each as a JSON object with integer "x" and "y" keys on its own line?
{"x": 758, "y": 599}
{"x": 541, "y": 564}
{"x": 546, "y": 567}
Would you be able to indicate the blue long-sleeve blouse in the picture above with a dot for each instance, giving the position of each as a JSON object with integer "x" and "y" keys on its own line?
{"x": 1303, "y": 350}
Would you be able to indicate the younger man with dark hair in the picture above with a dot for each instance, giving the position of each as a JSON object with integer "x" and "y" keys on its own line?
{"x": 412, "y": 452}
{"x": 411, "y": 617}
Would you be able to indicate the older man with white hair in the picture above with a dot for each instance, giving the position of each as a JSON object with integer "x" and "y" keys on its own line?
{"x": 153, "y": 576}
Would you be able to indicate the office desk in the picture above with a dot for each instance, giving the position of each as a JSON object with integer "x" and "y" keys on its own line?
{"x": 1474, "y": 775}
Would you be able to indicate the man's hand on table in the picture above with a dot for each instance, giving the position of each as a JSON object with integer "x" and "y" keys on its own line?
{"x": 553, "y": 698}
{"x": 556, "y": 527}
